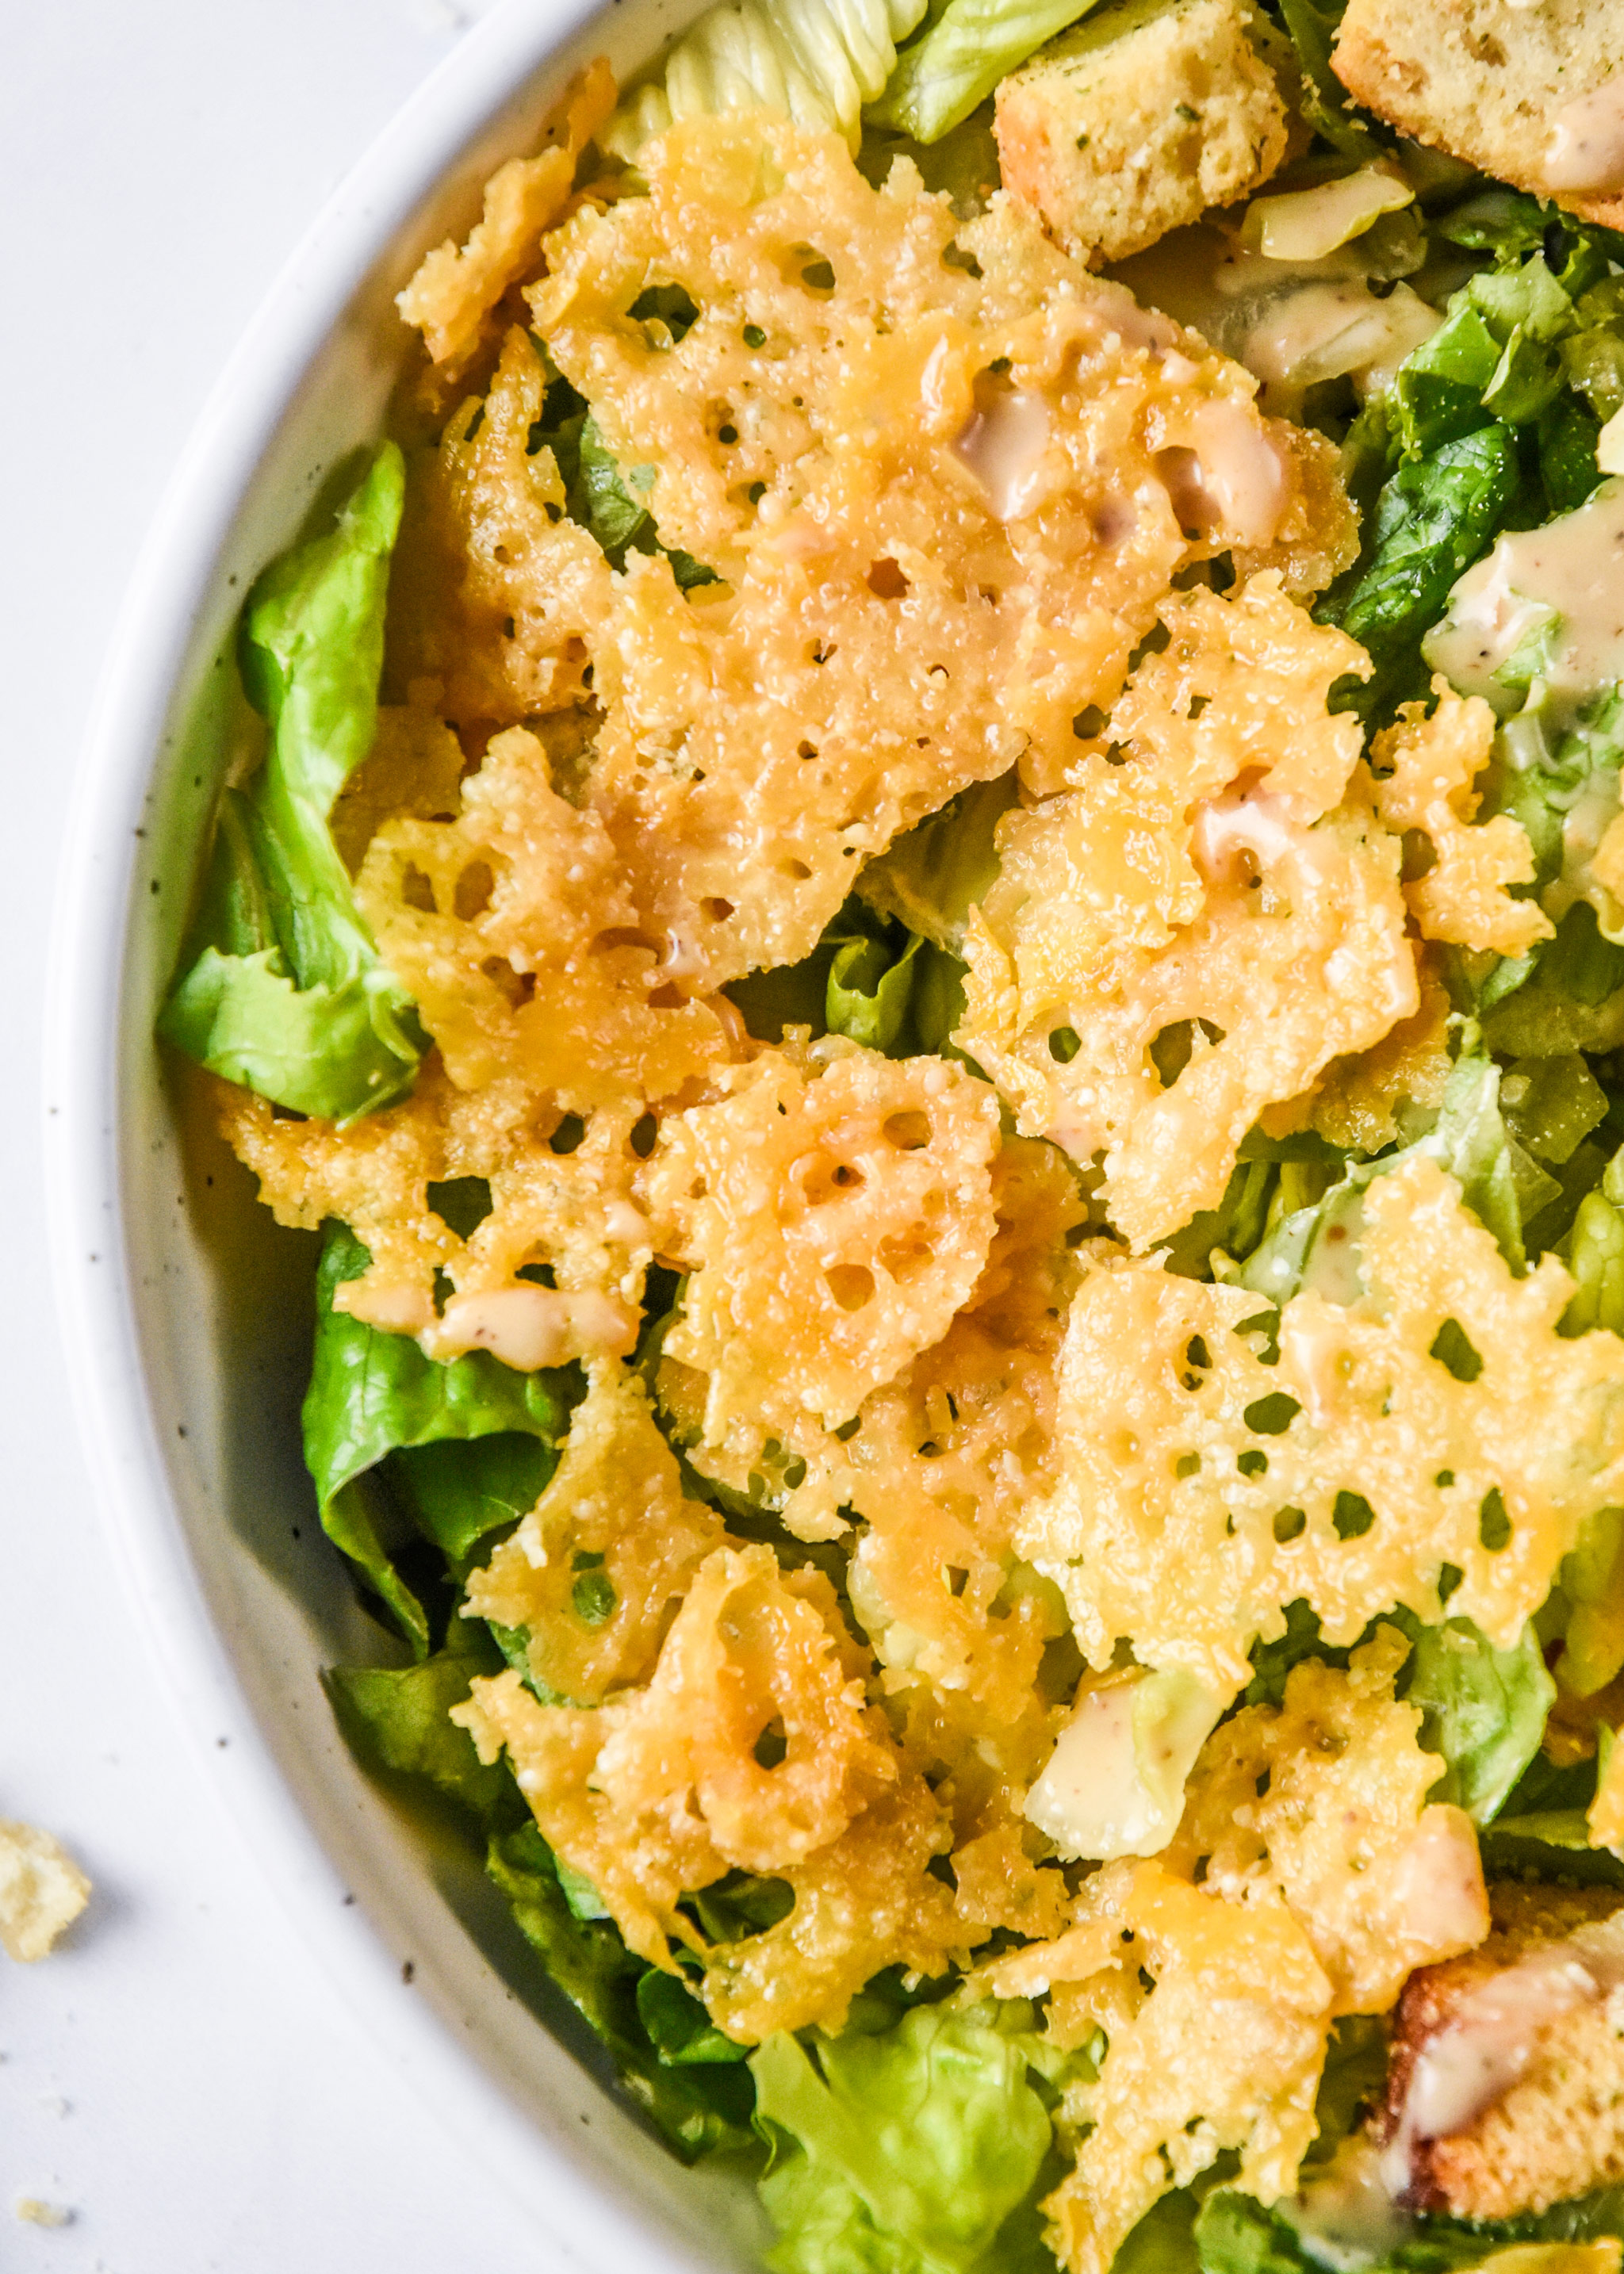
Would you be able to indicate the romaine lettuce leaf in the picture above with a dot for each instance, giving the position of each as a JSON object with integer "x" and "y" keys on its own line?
{"x": 904, "y": 2152}
{"x": 1433, "y": 518}
{"x": 1482, "y": 1709}
{"x": 397, "y": 1718}
{"x": 931, "y": 876}
{"x": 372, "y": 1393}
{"x": 1235, "y": 2235}
{"x": 959, "y": 57}
{"x": 1324, "y": 100}
{"x": 699, "y": 2102}
{"x": 282, "y": 987}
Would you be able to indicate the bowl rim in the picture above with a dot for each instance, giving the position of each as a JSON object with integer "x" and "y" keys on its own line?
{"x": 85, "y": 1175}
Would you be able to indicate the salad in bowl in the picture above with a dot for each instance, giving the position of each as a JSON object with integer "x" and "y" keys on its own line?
{"x": 928, "y": 898}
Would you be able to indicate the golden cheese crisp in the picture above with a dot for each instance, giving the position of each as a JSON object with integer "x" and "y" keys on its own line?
{"x": 1200, "y": 926}
{"x": 1202, "y": 1490}
{"x": 833, "y": 1226}
{"x": 1428, "y": 767}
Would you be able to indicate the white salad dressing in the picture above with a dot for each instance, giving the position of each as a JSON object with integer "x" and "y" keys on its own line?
{"x": 1114, "y": 1783}
{"x": 1232, "y": 475}
{"x": 1345, "y": 2212}
{"x": 1573, "y": 567}
{"x": 528, "y": 1328}
{"x": 1493, "y": 2035}
{"x": 1004, "y": 446}
{"x": 1586, "y": 149}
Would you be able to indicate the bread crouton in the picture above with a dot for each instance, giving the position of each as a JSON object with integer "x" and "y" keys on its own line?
{"x": 1531, "y": 93}
{"x": 1138, "y": 120}
{"x": 1523, "y": 2040}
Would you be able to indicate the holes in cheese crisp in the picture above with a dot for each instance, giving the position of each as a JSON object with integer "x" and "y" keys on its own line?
{"x": 909, "y": 1132}
{"x": 1493, "y": 1523}
{"x": 417, "y": 891}
{"x": 462, "y": 1203}
{"x": 954, "y": 256}
{"x": 717, "y": 911}
{"x": 797, "y": 871}
{"x": 1088, "y": 723}
{"x": 516, "y": 988}
{"x": 1173, "y": 1048}
{"x": 806, "y": 750}
{"x": 852, "y": 1285}
{"x": 1288, "y": 1523}
{"x": 772, "y": 1747}
{"x": 1272, "y": 1416}
{"x": 568, "y": 1134}
{"x": 644, "y": 1132}
{"x": 904, "y": 1260}
{"x": 817, "y": 276}
{"x": 473, "y": 891}
{"x": 1188, "y": 1465}
{"x": 1197, "y": 1360}
{"x": 1352, "y": 1515}
{"x": 1253, "y": 1462}
{"x": 1453, "y": 1350}
{"x": 887, "y": 581}
{"x": 1064, "y": 1043}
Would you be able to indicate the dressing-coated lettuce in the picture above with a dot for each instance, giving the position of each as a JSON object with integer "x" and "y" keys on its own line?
{"x": 472, "y": 1440}
{"x": 282, "y": 986}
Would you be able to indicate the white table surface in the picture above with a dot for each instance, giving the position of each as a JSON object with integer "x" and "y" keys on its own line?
{"x": 179, "y": 2076}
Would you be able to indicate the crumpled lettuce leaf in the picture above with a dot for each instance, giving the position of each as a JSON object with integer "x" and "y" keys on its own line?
{"x": 397, "y": 1718}
{"x": 1482, "y": 1709}
{"x": 911, "y": 2151}
{"x": 447, "y": 1431}
{"x": 282, "y": 988}
{"x": 597, "y": 495}
{"x": 1500, "y": 1182}
{"x": 1235, "y": 2235}
{"x": 699, "y": 2100}
{"x": 931, "y": 876}
{"x": 959, "y": 57}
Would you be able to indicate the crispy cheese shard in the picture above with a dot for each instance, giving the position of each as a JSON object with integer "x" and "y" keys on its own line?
{"x": 832, "y": 1222}
{"x": 1201, "y": 1490}
{"x": 595, "y": 1570}
{"x": 520, "y": 942}
{"x": 661, "y": 1791}
{"x": 942, "y": 476}
{"x": 1223, "y": 2051}
{"x": 1322, "y": 1800}
{"x": 1426, "y": 767}
{"x": 1214, "y": 885}
{"x": 42, "y": 1891}
{"x": 571, "y": 1208}
{"x": 455, "y": 287}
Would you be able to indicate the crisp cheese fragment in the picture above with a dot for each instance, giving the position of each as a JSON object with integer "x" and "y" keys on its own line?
{"x": 565, "y": 1204}
{"x": 1224, "y": 2051}
{"x": 662, "y": 1790}
{"x": 942, "y": 476}
{"x": 832, "y": 1226}
{"x": 1323, "y": 1800}
{"x": 595, "y": 1570}
{"x": 1215, "y": 883}
{"x": 456, "y": 287}
{"x": 1201, "y": 1489}
{"x": 1427, "y": 767}
{"x": 42, "y": 1890}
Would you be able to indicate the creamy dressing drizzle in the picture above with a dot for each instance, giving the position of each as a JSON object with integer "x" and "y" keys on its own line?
{"x": 1575, "y": 567}
{"x": 1004, "y": 446}
{"x": 1586, "y": 149}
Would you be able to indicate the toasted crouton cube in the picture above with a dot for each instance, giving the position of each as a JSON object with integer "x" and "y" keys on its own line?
{"x": 1533, "y": 2056}
{"x": 1532, "y": 94}
{"x": 1139, "y": 119}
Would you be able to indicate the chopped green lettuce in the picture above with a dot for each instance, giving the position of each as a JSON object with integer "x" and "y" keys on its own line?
{"x": 1235, "y": 2235}
{"x": 596, "y": 494}
{"x": 1433, "y": 518}
{"x": 1482, "y": 1709}
{"x": 1323, "y": 100}
{"x": 373, "y": 1395}
{"x": 282, "y": 988}
{"x": 931, "y": 876}
{"x": 966, "y": 48}
{"x": 911, "y": 2151}
{"x": 397, "y": 1718}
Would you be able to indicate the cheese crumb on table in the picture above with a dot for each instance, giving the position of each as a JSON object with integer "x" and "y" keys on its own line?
{"x": 33, "y": 2212}
{"x": 42, "y": 1890}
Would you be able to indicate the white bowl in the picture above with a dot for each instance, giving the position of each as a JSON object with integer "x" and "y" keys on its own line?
{"x": 188, "y": 1311}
